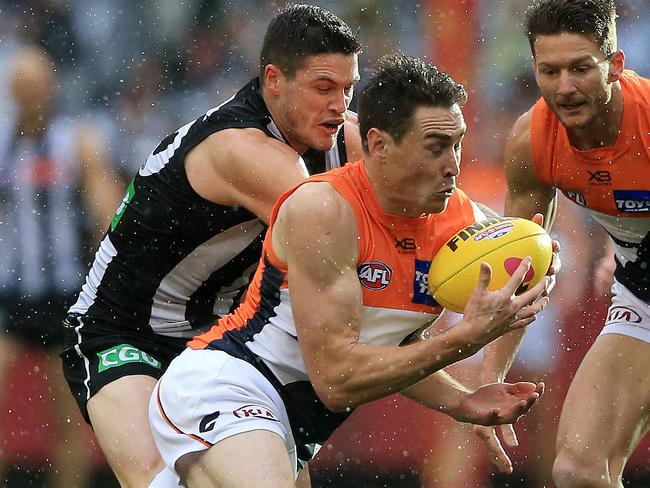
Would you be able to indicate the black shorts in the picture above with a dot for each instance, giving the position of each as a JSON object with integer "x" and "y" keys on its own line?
{"x": 96, "y": 354}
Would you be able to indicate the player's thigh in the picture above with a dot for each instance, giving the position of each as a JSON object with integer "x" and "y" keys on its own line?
{"x": 606, "y": 409}
{"x": 118, "y": 414}
{"x": 255, "y": 459}
{"x": 208, "y": 399}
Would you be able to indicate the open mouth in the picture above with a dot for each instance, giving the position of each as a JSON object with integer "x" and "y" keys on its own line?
{"x": 332, "y": 126}
{"x": 446, "y": 193}
{"x": 570, "y": 107}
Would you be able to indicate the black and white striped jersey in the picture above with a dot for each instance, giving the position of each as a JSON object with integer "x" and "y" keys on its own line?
{"x": 172, "y": 261}
{"x": 41, "y": 217}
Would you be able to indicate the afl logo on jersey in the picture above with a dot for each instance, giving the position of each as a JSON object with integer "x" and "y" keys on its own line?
{"x": 374, "y": 275}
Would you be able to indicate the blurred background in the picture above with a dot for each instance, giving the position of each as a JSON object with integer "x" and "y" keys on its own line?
{"x": 128, "y": 73}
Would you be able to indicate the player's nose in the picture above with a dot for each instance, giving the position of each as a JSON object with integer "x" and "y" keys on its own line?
{"x": 567, "y": 83}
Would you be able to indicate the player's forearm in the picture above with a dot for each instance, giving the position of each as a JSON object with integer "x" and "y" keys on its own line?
{"x": 361, "y": 373}
{"x": 438, "y": 391}
{"x": 527, "y": 205}
{"x": 499, "y": 355}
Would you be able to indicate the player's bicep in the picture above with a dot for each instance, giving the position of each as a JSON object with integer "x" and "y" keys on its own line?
{"x": 316, "y": 235}
{"x": 245, "y": 168}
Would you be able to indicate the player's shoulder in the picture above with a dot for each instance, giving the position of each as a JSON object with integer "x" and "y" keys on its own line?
{"x": 519, "y": 137}
{"x": 521, "y": 127}
{"x": 638, "y": 86}
{"x": 316, "y": 198}
{"x": 246, "y": 146}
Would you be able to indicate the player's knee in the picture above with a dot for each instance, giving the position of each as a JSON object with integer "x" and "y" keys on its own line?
{"x": 571, "y": 472}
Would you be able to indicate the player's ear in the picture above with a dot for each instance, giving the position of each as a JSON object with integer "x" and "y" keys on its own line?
{"x": 272, "y": 78}
{"x": 377, "y": 143}
{"x": 616, "y": 66}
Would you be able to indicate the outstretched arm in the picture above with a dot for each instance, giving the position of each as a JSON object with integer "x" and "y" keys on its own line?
{"x": 101, "y": 189}
{"x": 526, "y": 196}
{"x": 493, "y": 404}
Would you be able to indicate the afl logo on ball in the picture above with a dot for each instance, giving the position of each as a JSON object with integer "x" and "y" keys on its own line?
{"x": 494, "y": 232}
{"x": 374, "y": 275}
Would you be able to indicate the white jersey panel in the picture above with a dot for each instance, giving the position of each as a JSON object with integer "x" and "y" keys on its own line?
{"x": 193, "y": 270}
{"x": 103, "y": 257}
{"x": 278, "y": 346}
{"x": 627, "y": 230}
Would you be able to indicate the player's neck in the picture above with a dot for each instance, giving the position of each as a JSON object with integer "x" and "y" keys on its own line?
{"x": 604, "y": 130}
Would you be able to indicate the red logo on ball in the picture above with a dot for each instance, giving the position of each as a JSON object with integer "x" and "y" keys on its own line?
{"x": 511, "y": 265}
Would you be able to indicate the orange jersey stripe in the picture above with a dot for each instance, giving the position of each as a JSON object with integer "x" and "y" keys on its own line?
{"x": 171, "y": 424}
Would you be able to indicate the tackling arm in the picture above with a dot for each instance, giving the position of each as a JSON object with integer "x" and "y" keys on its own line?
{"x": 245, "y": 168}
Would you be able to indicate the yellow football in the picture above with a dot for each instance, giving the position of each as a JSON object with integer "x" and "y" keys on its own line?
{"x": 502, "y": 242}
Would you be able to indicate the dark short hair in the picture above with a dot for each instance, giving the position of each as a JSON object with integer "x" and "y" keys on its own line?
{"x": 299, "y": 31}
{"x": 399, "y": 86}
{"x": 596, "y": 18}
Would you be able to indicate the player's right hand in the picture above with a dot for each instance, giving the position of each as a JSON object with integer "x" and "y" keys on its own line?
{"x": 490, "y": 314}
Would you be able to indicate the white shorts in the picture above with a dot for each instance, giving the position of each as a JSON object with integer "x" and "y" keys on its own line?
{"x": 206, "y": 396}
{"x": 627, "y": 315}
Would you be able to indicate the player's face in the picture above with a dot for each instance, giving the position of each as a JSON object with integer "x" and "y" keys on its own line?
{"x": 427, "y": 158}
{"x": 313, "y": 103}
{"x": 573, "y": 77}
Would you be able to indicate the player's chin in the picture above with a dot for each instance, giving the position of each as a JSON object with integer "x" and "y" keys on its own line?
{"x": 324, "y": 139}
{"x": 437, "y": 204}
{"x": 577, "y": 121}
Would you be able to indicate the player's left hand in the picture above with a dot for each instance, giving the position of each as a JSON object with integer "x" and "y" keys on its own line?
{"x": 498, "y": 404}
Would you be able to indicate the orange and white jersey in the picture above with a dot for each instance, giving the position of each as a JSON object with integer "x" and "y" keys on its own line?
{"x": 612, "y": 183}
{"x": 394, "y": 255}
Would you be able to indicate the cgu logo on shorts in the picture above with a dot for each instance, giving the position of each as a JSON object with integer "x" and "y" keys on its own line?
{"x": 124, "y": 354}
{"x": 374, "y": 275}
{"x": 257, "y": 411}
{"x": 622, "y": 314}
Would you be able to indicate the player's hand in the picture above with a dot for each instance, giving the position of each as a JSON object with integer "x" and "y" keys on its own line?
{"x": 490, "y": 314}
{"x": 556, "y": 262}
{"x": 498, "y": 404}
{"x": 494, "y": 445}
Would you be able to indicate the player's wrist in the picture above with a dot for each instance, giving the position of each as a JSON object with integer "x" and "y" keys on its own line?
{"x": 462, "y": 342}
